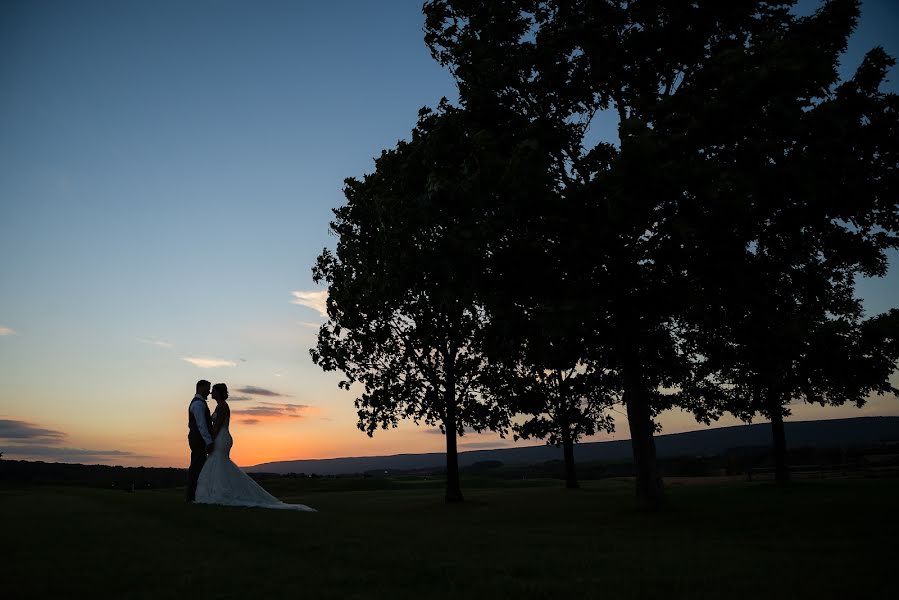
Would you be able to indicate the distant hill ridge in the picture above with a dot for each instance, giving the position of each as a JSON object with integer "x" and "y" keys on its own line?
{"x": 702, "y": 442}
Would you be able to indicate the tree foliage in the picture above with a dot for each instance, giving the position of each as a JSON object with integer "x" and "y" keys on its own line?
{"x": 403, "y": 313}
{"x": 747, "y": 189}
{"x": 813, "y": 170}
{"x": 504, "y": 260}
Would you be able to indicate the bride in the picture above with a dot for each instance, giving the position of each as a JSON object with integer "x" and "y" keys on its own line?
{"x": 221, "y": 481}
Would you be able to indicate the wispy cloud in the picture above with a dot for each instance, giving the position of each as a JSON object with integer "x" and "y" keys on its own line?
{"x": 276, "y": 409}
{"x": 485, "y": 445}
{"x": 6, "y": 331}
{"x": 158, "y": 343}
{"x": 467, "y": 441}
{"x": 309, "y": 325}
{"x": 259, "y": 391}
{"x": 238, "y": 398}
{"x": 316, "y": 300}
{"x": 249, "y": 421}
{"x": 27, "y": 441}
{"x": 21, "y": 431}
{"x": 436, "y": 431}
{"x": 208, "y": 363}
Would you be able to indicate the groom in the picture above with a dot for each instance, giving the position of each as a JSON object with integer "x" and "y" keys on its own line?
{"x": 199, "y": 437}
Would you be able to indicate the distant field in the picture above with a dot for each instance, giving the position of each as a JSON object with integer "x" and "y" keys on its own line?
{"x": 396, "y": 539}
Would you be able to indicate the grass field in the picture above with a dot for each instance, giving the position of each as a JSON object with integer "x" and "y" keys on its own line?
{"x": 396, "y": 539}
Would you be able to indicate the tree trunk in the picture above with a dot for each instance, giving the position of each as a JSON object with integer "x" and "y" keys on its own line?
{"x": 650, "y": 491}
{"x": 568, "y": 451}
{"x": 781, "y": 472}
{"x": 453, "y": 488}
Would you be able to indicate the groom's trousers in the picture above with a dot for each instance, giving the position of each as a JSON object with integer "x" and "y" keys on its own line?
{"x": 197, "y": 460}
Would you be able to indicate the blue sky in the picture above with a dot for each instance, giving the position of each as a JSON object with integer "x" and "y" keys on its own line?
{"x": 167, "y": 174}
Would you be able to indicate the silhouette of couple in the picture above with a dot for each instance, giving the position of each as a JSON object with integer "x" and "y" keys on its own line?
{"x": 212, "y": 477}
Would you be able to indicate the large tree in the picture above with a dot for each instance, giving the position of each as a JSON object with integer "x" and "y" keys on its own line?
{"x": 741, "y": 164}
{"x": 809, "y": 166}
{"x": 403, "y": 314}
{"x": 562, "y": 65}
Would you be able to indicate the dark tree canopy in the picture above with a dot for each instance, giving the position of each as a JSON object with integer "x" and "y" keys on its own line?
{"x": 745, "y": 178}
{"x": 559, "y": 64}
{"x": 812, "y": 170}
{"x": 504, "y": 261}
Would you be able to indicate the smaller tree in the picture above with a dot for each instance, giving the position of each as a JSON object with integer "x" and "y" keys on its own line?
{"x": 561, "y": 406}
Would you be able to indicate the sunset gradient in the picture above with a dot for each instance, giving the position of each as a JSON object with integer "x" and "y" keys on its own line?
{"x": 167, "y": 175}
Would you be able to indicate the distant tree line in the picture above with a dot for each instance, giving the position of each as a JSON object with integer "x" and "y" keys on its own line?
{"x": 505, "y": 269}
{"x": 106, "y": 476}
{"x": 101, "y": 476}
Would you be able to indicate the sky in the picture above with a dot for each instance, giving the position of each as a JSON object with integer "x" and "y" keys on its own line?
{"x": 167, "y": 174}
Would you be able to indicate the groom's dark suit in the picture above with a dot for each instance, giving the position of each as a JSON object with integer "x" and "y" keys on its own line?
{"x": 197, "y": 446}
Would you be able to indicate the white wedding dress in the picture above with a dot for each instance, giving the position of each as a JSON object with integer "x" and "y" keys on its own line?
{"x": 222, "y": 482}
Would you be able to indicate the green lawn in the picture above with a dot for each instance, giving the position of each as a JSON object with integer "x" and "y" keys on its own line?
{"x": 395, "y": 539}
